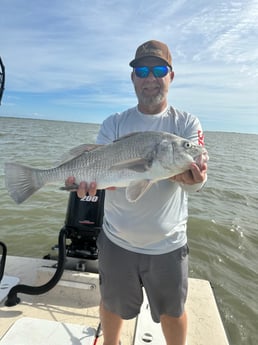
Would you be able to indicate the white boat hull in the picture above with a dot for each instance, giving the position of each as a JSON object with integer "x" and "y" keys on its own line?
{"x": 74, "y": 301}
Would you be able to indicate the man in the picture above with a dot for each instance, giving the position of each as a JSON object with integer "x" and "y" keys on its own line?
{"x": 145, "y": 243}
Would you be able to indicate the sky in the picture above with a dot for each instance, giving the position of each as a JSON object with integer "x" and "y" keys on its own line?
{"x": 69, "y": 60}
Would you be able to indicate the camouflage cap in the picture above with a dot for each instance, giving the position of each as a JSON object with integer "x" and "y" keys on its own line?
{"x": 152, "y": 49}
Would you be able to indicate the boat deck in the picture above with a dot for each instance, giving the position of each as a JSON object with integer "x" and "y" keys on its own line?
{"x": 74, "y": 301}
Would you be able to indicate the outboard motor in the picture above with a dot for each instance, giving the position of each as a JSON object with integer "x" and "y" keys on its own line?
{"x": 83, "y": 223}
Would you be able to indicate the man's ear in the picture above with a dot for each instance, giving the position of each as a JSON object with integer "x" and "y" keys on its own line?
{"x": 172, "y": 74}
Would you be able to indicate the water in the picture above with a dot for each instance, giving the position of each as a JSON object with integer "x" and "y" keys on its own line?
{"x": 223, "y": 223}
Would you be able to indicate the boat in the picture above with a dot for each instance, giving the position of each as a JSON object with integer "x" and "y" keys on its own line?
{"x": 54, "y": 300}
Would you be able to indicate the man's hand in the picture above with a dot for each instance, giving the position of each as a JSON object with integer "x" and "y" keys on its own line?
{"x": 192, "y": 176}
{"x": 83, "y": 188}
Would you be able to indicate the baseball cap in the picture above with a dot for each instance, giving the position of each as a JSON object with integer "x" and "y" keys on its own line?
{"x": 152, "y": 48}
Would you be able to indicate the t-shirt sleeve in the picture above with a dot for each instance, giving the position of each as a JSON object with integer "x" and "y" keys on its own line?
{"x": 192, "y": 130}
{"x": 107, "y": 132}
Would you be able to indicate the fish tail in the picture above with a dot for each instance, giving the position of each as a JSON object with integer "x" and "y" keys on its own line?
{"x": 22, "y": 181}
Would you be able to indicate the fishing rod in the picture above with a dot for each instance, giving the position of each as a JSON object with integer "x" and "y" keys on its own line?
{"x": 97, "y": 334}
{"x": 2, "y": 78}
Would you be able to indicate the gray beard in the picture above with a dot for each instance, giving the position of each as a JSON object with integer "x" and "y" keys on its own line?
{"x": 149, "y": 101}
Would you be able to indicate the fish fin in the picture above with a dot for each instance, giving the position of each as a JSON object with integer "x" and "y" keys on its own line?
{"x": 127, "y": 136}
{"x": 76, "y": 152}
{"x": 71, "y": 188}
{"x": 138, "y": 165}
{"x": 21, "y": 181}
{"x": 136, "y": 189}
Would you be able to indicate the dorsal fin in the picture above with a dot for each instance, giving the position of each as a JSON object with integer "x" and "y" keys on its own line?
{"x": 127, "y": 136}
{"x": 76, "y": 152}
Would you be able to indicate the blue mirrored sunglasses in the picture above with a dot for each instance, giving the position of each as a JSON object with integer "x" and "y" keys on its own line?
{"x": 157, "y": 71}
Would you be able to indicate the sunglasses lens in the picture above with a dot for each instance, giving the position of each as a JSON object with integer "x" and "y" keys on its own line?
{"x": 142, "y": 72}
{"x": 158, "y": 71}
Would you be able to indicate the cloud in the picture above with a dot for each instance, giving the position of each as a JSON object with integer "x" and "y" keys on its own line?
{"x": 77, "y": 53}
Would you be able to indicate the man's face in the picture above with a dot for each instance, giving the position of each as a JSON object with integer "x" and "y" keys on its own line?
{"x": 152, "y": 91}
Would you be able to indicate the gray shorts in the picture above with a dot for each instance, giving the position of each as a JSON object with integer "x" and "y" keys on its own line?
{"x": 123, "y": 273}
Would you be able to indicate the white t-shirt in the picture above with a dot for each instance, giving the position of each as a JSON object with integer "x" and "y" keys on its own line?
{"x": 156, "y": 223}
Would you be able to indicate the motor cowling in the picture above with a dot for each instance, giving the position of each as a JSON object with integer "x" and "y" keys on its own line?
{"x": 84, "y": 218}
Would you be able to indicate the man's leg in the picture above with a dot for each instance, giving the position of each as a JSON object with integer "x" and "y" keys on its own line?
{"x": 174, "y": 329}
{"x": 111, "y": 326}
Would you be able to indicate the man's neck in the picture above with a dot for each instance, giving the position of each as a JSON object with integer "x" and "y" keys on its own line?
{"x": 152, "y": 109}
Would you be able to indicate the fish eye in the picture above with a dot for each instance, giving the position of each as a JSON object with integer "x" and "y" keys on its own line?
{"x": 187, "y": 145}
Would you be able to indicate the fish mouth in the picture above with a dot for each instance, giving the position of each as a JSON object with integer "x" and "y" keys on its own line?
{"x": 202, "y": 159}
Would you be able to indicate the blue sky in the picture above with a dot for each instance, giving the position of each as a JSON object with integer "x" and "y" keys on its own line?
{"x": 68, "y": 60}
